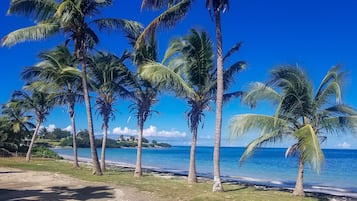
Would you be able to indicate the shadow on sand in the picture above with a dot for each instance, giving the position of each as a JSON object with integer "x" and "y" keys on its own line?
{"x": 58, "y": 193}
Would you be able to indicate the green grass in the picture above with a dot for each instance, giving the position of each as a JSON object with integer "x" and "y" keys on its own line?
{"x": 168, "y": 188}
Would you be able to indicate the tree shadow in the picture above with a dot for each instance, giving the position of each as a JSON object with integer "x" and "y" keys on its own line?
{"x": 236, "y": 189}
{"x": 58, "y": 193}
{"x": 10, "y": 172}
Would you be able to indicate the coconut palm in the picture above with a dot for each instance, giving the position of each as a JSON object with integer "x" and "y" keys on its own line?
{"x": 175, "y": 12}
{"x": 192, "y": 75}
{"x": 104, "y": 70}
{"x": 57, "y": 71}
{"x": 140, "y": 91}
{"x": 39, "y": 103}
{"x": 306, "y": 116}
{"x": 74, "y": 18}
{"x": 15, "y": 124}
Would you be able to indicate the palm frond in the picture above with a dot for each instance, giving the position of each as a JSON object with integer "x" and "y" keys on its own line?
{"x": 129, "y": 27}
{"x": 241, "y": 124}
{"x": 165, "y": 78}
{"x": 340, "y": 124}
{"x": 259, "y": 92}
{"x": 291, "y": 150}
{"x": 309, "y": 146}
{"x": 229, "y": 73}
{"x": 229, "y": 96}
{"x": 233, "y": 49}
{"x": 39, "y": 9}
{"x": 252, "y": 146}
{"x": 165, "y": 20}
{"x": 37, "y": 32}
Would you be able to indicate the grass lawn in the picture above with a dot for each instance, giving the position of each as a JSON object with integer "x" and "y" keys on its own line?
{"x": 170, "y": 188}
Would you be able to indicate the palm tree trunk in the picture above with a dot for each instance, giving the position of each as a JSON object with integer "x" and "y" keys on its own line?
{"x": 192, "y": 178}
{"x": 96, "y": 167}
{"x": 28, "y": 155}
{"x": 138, "y": 171}
{"x": 74, "y": 135}
{"x": 299, "y": 186}
{"x": 217, "y": 185}
{"x": 104, "y": 144}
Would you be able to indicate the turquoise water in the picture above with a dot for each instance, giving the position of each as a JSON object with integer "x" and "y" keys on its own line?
{"x": 268, "y": 166}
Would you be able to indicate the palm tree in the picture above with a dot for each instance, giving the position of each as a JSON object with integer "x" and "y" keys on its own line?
{"x": 15, "y": 124}
{"x": 192, "y": 75}
{"x": 139, "y": 90}
{"x": 74, "y": 19}
{"x": 306, "y": 116}
{"x": 58, "y": 71}
{"x": 104, "y": 70}
{"x": 175, "y": 12}
{"x": 40, "y": 103}
{"x": 218, "y": 6}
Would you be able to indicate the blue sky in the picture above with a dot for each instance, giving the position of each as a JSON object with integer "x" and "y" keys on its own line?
{"x": 312, "y": 34}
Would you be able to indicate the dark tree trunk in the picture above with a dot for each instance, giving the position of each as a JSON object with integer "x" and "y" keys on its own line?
{"x": 81, "y": 54}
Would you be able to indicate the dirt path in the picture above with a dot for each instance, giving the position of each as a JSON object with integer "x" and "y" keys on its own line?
{"x": 18, "y": 184}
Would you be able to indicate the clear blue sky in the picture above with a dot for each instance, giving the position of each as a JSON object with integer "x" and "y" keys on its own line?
{"x": 313, "y": 34}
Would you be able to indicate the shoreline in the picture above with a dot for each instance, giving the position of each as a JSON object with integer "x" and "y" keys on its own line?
{"x": 330, "y": 193}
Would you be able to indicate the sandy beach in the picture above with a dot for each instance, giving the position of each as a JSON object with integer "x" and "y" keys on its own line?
{"x": 19, "y": 184}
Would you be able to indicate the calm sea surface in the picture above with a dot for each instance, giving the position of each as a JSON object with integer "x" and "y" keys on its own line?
{"x": 268, "y": 166}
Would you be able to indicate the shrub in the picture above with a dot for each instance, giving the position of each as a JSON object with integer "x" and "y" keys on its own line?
{"x": 44, "y": 152}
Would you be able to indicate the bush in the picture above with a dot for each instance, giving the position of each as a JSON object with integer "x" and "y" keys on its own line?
{"x": 44, "y": 152}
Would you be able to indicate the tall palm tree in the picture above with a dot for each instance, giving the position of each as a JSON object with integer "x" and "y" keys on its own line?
{"x": 218, "y": 6}
{"x": 58, "y": 70}
{"x": 302, "y": 114}
{"x": 139, "y": 90}
{"x": 104, "y": 70}
{"x": 40, "y": 103}
{"x": 192, "y": 75}
{"x": 175, "y": 12}
{"x": 74, "y": 19}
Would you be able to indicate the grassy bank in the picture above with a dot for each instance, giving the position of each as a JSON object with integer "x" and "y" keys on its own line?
{"x": 170, "y": 188}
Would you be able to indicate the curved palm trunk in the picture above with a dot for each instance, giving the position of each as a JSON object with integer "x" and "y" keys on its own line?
{"x": 96, "y": 167}
{"x": 74, "y": 135}
{"x": 299, "y": 186}
{"x": 104, "y": 144}
{"x": 138, "y": 171}
{"x": 192, "y": 178}
{"x": 28, "y": 154}
{"x": 217, "y": 185}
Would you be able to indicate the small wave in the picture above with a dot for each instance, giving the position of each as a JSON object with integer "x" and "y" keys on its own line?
{"x": 329, "y": 188}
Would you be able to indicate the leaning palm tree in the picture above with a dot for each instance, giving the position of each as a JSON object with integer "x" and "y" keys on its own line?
{"x": 192, "y": 75}
{"x": 57, "y": 69}
{"x": 104, "y": 70}
{"x": 38, "y": 102}
{"x": 175, "y": 12}
{"x": 306, "y": 116}
{"x": 74, "y": 18}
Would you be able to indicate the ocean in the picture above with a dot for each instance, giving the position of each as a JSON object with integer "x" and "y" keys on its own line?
{"x": 267, "y": 166}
